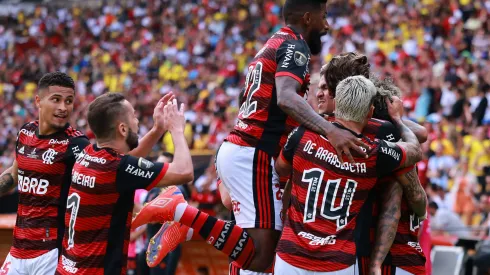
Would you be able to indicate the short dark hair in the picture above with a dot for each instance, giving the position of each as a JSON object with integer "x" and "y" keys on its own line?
{"x": 343, "y": 66}
{"x": 56, "y": 79}
{"x": 103, "y": 113}
{"x": 168, "y": 155}
{"x": 384, "y": 89}
{"x": 433, "y": 205}
{"x": 293, "y": 9}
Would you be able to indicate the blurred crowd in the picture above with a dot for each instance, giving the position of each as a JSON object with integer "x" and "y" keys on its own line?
{"x": 437, "y": 52}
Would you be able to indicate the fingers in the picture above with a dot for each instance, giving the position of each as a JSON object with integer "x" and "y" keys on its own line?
{"x": 182, "y": 108}
{"x": 358, "y": 149}
{"x": 359, "y": 142}
{"x": 348, "y": 154}
{"x": 339, "y": 154}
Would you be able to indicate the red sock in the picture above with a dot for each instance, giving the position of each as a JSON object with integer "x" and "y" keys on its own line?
{"x": 222, "y": 235}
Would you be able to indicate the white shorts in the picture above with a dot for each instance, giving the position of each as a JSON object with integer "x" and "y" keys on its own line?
{"x": 42, "y": 265}
{"x": 283, "y": 268}
{"x": 249, "y": 176}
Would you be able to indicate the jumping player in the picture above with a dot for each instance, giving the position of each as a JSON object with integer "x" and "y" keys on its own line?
{"x": 327, "y": 194}
{"x": 273, "y": 105}
{"x": 45, "y": 153}
{"x": 404, "y": 256}
{"x": 103, "y": 181}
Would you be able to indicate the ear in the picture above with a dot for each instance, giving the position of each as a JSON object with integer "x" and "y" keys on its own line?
{"x": 371, "y": 112}
{"x": 307, "y": 18}
{"x": 38, "y": 102}
{"x": 122, "y": 129}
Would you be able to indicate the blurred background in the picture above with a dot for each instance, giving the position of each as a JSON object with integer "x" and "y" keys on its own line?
{"x": 437, "y": 52}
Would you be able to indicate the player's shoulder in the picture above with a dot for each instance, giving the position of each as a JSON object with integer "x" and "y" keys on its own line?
{"x": 71, "y": 132}
{"x": 30, "y": 126}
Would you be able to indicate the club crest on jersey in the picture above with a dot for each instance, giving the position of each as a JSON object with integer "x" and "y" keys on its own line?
{"x": 49, "y": 156}
{"x": 300, "y": 59}
{"x": 144, "y": 164}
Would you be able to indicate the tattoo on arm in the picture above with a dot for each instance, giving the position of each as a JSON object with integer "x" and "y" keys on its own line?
{"x": 389, "y": 216}
{"x": 415, "y": 194}
{"x": 295, "y": 106}
{"x": 410, "y": 144}
{"x": 6, "y": 183}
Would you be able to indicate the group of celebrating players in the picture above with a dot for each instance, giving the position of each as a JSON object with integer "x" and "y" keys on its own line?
{"x": 360, "y": 216}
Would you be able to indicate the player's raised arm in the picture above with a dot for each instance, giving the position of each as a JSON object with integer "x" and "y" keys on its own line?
{"x": 389, "y": 216}
{"x": 153, "y": 136}
{"x": 180, "y": 170}
{"x": 8, "y": 179}
{"x": 292, "y": 66}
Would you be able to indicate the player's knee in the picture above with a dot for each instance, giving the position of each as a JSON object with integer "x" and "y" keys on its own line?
{"x": 265, "y": 242}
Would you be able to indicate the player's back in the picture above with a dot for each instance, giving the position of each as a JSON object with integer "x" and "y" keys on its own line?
{"x": 261, "y": 123}
{"x": 44, "y": 169}
{"x": 94, "y": 242}
{"x": 326, "y": 198}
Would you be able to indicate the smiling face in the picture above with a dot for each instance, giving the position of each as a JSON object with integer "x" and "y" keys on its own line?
{"x": 55, "y": 105}
{"x": 326, "y": 102}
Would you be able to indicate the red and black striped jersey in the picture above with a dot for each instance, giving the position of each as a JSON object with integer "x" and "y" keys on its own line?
{"x": 405, "y": 252}
{"x": 44, "y": 169}
{"x": 326, "y": 198}
{"x": 99, "y": 210}
{"x": 261, "y": 123}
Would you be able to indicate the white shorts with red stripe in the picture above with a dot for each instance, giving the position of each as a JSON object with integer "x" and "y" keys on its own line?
{"x": 249, "y": 176}
{"x": 282, "y": 267}
{"x": 44, "y": 264}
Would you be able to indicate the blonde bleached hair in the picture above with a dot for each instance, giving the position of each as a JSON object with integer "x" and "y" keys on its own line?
{"x": 354, "y": 98}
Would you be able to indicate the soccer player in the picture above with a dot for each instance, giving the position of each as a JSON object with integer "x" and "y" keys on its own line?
{"x": 405, "y": 253}
{"x": 45, "y": 153}
{"x": 328, "y": 194}
{"x": 103, "y": 181}
{"x": 273, "y": 105}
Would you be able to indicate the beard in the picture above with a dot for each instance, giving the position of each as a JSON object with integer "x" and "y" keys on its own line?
{"x": 315, "y": 42}
{"x": 132, "y": 140}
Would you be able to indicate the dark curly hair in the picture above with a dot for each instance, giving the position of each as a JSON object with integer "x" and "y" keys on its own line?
{"x": 343, "y": 66}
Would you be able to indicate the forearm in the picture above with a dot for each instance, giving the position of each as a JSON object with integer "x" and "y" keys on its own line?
{"x": 182, "y": 159}
{"x": 146, "y": 144}
{"x": 414, "y": 192}
{"x": 7, "y": 181}
{"x": 301, "y": 112}
{"x": 419, "y": 130}
{"x": 389, "y": 217}
{"x": 410, "y": 144}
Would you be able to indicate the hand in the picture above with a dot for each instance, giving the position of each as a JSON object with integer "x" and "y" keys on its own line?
{"x": 158, "y": 121}
{"x": 395, "y": 108}
{"x": 174, "y": 119}
{"x": 343, "y": 141}
{"x": 374, "y": 270}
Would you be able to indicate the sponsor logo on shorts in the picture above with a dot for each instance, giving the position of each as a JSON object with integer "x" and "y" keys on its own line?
{"x": 236, "y": 207}
{"x": 315, "y": 240}
{"x": 68, "y": 265}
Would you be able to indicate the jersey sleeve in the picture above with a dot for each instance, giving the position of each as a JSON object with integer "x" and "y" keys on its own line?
{"x": 292, "y": 143}
{"x": 387, "y": 131}
{"x": 76, "y": 146}
{"x": 138, "y": 173}
{"x": 389, "y": 158}
{"x": 292, "y": 59}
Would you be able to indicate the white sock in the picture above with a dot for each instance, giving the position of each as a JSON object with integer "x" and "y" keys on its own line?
{"x": 189, "y": 234}
{"x": 179, "y": 211}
